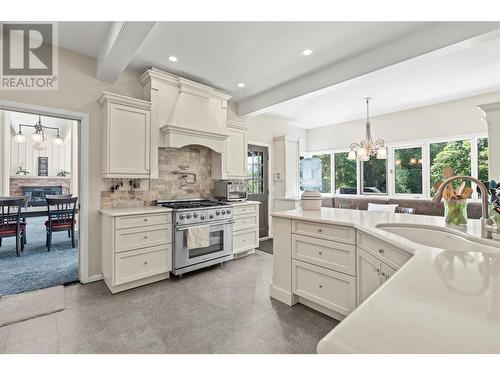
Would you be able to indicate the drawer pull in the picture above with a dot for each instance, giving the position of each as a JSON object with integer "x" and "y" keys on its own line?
{"x": 320, "y": 230}
{"x": 383, "y": 274}
{"x": 381, "y": 251}
{"x": 145, "y": 237}
{"x": 145, "y": 219}
{"x": 321, "y": 286}
{"x": 320, "y": 253}
{"x": 376, "y": 270}
{"x": 145, "y": 262}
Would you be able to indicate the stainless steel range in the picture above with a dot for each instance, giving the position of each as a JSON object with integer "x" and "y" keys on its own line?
{"x": 194, "y": 213}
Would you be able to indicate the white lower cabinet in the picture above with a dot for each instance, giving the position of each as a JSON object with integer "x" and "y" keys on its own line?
{"x": 333, "y": 290}
{"x": 245, "y": 228}
{"x": 136, "y": 249}
{"x": 372, "y": 273}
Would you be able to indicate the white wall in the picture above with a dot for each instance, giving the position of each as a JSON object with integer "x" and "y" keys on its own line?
{"x": 1, "y": 153}
{"x": 79, "y": 91}
{"x": 439, "y": 120}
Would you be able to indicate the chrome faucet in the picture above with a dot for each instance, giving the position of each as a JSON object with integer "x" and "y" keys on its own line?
{"x": 487, "y": 225}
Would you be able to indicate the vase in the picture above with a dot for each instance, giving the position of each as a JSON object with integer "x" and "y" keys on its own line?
{"x": 455, "y": 212}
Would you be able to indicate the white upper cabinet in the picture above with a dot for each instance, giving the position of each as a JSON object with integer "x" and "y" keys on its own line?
{"x": 286, "y": 166}
{"x": 126, "y": 137}
{"x": 236, "y": 150}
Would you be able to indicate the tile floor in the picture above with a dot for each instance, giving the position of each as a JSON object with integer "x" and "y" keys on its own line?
{"x": 218, "y": 310}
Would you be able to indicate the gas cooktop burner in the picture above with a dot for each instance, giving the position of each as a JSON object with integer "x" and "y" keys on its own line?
{"x": 190, "y": 204}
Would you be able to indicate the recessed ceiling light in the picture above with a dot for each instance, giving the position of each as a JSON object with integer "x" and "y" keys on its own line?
{"x": 241, "y": 84}
{"x": 173, "y": 58}
{"x": 307, "y": 52}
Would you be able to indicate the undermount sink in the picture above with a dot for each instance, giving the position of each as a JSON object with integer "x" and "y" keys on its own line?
{"x": 441, "y": 238}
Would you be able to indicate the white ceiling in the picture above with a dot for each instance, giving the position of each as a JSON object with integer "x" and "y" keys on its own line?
{"x": 304, "y": 90}
{"x": 17, "y": 118}
{"x": 448, "y": 74}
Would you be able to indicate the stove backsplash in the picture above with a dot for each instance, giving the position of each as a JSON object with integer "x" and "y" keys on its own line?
{"x": 177, "y": 169}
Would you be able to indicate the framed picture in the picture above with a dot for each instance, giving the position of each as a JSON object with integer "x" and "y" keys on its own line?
{"x": 43, "y": 166}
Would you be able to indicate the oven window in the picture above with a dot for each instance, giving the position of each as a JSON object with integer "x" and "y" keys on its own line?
{"x": 216, "y": 245}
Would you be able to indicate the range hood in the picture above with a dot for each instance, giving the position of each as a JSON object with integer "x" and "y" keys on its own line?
{"x": 186, "y": 112}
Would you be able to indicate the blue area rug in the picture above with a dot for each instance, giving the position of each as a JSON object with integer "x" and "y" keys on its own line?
{"x": 36, "y": 268}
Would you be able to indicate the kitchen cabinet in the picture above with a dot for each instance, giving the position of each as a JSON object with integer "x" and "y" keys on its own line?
{"x": 126, "y": 137}
{"x": 372, "y": 273}
{"x": 245, "y": 228}
{"x": 136, "y": 247}
{"x": 232, "y": 163}
{"x": 286, "y": 157}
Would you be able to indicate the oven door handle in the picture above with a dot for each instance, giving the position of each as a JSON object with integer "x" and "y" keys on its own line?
{"x": 181, "y": 228}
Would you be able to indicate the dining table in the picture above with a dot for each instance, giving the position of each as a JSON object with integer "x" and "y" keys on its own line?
{"x": 36, "y": 211}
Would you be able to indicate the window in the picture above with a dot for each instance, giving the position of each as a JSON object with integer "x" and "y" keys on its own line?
{"x": 456, "y": 154}
{"x": 408, "y": 170}
{"x": 374, "y": 175}
{"x": 482, "y": 159}
{"x": 255, "y": 168}
{"x": 346, "y": 181}
{"x": 326, "y": 172}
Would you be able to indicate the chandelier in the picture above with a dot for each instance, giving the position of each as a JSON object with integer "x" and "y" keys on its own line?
{"x": 38, "y": 138}
{"x": 367, "y": 148}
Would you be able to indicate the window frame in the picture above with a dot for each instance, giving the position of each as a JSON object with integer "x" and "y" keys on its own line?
{"x": 361, "y": 178}
{"x": 391, "y": 176}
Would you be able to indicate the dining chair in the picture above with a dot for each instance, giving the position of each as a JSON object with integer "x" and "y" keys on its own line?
{"x": 405, "y": 210}
{"x": 61, "y": 196}
{"x": 10, "y": 221}
{"x": 61, "y": 213}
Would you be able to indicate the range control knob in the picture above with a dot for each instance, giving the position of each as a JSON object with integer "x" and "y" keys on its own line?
{"x": 217, "y": 212}
{"x": 188, "y": 216}
{"x": 228, "y": 212}
{"x": 182, "y": 217}
{"x": 202, "y": 217}
{"x": 211, "y": 216}
{"x": 223, "y": 212}
{"x": 195, "y": 215}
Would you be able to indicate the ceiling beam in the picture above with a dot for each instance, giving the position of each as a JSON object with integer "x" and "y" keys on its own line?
{"x": 404, "y": 47}
{"x": 120, "y": 44}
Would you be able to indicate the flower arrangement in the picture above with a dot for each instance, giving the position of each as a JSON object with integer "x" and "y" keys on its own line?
{"x": 22, "y": 171}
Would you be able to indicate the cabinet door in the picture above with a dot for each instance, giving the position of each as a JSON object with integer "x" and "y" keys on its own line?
{"x": 236, "y": 153}
{"x": 386, "y": 272}
{"x": 128, "y": 147}
{"x": 369, "y": 278}
{"x": 292, "y": 168}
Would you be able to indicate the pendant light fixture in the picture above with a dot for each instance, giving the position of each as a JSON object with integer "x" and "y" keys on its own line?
{"x": 38, "y": 139}
{"x": 367, "y": 148}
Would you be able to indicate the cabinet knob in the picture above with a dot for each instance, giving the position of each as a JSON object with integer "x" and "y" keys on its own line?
{"x": 145, "y": 237}
{"x": 376, "y": 270}
{"x": 321, "y": 286}
{"x": 383, "y": 274}
{"x": 320, "y": 253}
{"x": 381, "y": 251}
{"x": 146, "y": 262}
{"x": 145, "y": 219}
{"x": 320, "y": 230}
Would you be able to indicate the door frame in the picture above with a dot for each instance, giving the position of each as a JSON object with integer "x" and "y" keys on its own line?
{"x": 269, "y": 184}
{"x": 83, "y": 172}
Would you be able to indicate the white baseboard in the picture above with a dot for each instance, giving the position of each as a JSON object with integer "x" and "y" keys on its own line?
{"x": 95, "y": 278}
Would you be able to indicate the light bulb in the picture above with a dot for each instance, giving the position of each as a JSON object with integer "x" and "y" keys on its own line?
{"x": 19, "y": 138}
{"x": 58, "y": 141}
{"x": 37, "y": 137}
{"x": 40, "y": 145}
{"x": 382, "y": 153}
{"x": 363, "y": 154}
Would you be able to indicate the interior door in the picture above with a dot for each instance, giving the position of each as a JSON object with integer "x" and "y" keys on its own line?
{"x": 257, "y": 183}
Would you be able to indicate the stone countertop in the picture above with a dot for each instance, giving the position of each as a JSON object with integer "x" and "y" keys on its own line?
{"x": 134, "y": 211}
{"x": 440, "y": 301}
{"x": 243, "y": 203}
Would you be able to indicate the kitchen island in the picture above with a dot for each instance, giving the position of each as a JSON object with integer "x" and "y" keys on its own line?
{"x": 393, "y": 295}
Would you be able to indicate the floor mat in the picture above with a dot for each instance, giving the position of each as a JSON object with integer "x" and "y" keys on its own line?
{"x": 266, "y": 246}
{"x": 24, "y": 306}
{"x": 36, "y": 268}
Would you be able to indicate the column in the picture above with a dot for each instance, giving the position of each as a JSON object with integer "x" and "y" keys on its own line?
{"x": 491, "y": 117}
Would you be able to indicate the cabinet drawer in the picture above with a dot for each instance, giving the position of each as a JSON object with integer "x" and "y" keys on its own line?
{"x": 138, "y": 238}
{"x": 325, "y": 231}
{"x": 245, "y": 240}
{"x": 134, "y": 221}
{"x": 384, "y": 252}
{"x": 336, "y": 256}
{"x": 139, "y": 264}
{"x": 333, "y": 290}
{"x": 245, "y": 222}
{"x": 245, "y": 209}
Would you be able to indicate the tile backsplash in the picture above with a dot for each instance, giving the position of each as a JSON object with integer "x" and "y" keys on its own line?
{"x": 183, "y": 173}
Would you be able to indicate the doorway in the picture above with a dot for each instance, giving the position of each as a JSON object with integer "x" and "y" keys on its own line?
{"x": 258, "y": 184}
